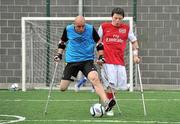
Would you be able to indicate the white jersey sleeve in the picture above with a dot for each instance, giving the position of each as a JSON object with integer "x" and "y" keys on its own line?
{"x": 100, "y": 32}
{"x": 131, "y": 36}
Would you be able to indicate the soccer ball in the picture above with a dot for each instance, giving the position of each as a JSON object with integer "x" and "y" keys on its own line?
{"x": 14, "y": 86}
{"x": 97, "y": 110}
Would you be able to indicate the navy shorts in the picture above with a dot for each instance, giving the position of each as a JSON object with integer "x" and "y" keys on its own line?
{"x": 73, "y": 68}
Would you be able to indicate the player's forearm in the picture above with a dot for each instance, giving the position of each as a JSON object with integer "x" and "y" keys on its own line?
{"x": 135, "y": 48}
{"x": 100, "y": 49}
{"x": 60, "y": 51}
{"x": 135, "y": 45}
{"x": 136, "y": 57}
{"x": 61, "y": 47}
{"x": 100, "y": 52}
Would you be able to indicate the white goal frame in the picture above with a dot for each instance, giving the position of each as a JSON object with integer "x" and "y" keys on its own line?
{"x": 23, "y": 38}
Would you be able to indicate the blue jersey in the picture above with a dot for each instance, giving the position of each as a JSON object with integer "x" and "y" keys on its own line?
{"x": 79, "y": 46}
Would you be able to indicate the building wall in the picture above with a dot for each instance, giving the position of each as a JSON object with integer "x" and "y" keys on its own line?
{"x": 158, "y": 29}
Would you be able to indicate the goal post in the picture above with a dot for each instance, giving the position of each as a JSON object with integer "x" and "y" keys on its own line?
{"x": 35, "y": 45}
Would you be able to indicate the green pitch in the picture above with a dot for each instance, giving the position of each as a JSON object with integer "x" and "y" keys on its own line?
{"x": 73, "y": 108}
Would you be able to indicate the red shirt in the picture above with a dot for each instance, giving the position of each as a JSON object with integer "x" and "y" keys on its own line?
{"x": 114, "y": 40}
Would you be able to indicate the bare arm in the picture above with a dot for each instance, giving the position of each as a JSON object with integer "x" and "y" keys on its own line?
{"x": 135, "y": 48}
{"x": 61, "y": 46}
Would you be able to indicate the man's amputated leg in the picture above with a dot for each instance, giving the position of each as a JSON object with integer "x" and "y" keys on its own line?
{"x": 64, "y": 85}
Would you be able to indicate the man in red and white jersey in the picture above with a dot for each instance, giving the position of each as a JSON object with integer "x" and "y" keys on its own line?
{"x": 114, "y": 37}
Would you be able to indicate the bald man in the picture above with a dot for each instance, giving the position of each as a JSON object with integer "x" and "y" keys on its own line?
{"x": 79, "y": 39}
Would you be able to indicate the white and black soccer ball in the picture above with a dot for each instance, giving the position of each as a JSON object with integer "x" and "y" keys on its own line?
{"x": 97, "y": 110}
{"x": 14, "y": 86}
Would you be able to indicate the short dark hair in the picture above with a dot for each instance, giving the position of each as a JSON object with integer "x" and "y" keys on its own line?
{"x": 117, "y": 10}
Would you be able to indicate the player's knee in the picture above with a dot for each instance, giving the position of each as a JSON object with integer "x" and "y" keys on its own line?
{"x": 93, "y": 77}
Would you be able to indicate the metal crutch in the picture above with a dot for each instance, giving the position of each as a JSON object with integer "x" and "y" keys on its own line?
{"x": 50, "y": 89}
{"x": 118, "y": 107}
{"x": 141, "y": 87}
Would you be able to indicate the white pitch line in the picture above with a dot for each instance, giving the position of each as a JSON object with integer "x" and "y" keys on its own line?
{"x": 19, "y": 118}
{"x": 105, "y": 121}
{"x": 86, "y": 121}
{"x": 135, "y": 92}
{"x": 81, "y": 100}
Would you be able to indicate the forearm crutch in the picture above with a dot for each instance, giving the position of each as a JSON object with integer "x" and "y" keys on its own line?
{"x": 118, "y": 107}
{"x": 141, "y": 88}
{"x": 50, "y": 89}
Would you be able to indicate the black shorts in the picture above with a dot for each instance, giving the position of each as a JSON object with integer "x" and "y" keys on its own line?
{"x": 72, "y": 69}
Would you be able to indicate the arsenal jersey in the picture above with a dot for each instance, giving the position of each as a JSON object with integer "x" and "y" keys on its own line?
{"x": 114, "y": 40}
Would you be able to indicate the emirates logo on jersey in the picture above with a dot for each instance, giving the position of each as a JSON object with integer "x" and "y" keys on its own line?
{"x": 122, "y": 31}
{"x": 114, "y": 38}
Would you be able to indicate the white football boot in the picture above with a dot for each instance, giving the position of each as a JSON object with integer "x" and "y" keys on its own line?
{"x": 110, "y": 113}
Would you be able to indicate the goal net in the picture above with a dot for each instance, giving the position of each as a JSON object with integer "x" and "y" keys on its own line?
{"x": 40, "y": 36}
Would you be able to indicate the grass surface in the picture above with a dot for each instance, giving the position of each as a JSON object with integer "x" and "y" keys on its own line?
{"x": 71, "y": 107}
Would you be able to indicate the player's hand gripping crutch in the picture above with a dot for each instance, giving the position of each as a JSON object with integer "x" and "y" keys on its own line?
{"x": 50, "y": 89}
{"x": 141, "y": 87}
